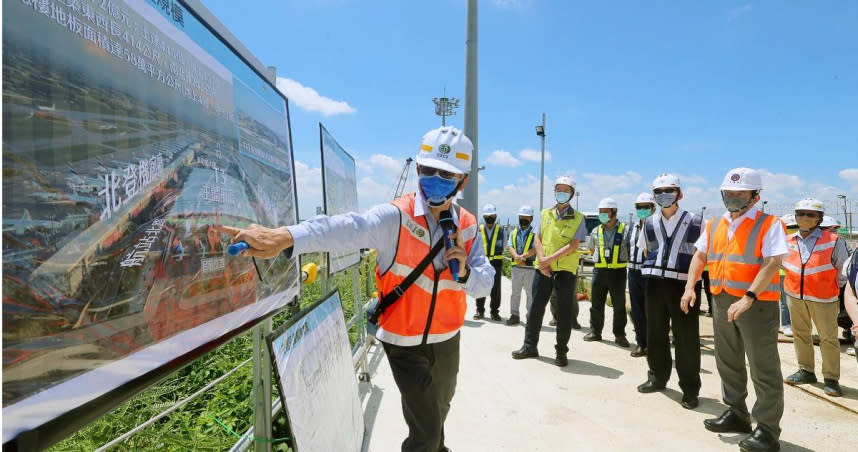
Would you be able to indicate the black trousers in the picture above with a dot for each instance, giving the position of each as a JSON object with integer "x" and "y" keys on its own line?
{"x": 606, "y": 280}
{"x": 495, "y": 302}
{"x": 565, "y": 283}
{"x": 703, "y": 286}
{"x": 638, "y": 297}
{"x": 663, "y": 297}
{"x": 426, "y": 378}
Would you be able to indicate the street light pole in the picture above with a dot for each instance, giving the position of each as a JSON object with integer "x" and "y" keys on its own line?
{"x": 540, "y": 132}
{"x": 471, "y": 192}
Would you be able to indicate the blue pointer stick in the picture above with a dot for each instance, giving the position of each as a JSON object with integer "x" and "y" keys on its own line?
{"x": 239, "y": 247}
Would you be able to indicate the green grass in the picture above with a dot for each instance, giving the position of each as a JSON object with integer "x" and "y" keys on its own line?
{"x": 212, "y": 421}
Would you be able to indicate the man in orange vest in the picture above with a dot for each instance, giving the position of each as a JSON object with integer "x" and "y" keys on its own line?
{"x": 420, "y": 331}
{"x": 744, "y": 249}
{"x": 815, "y": 260}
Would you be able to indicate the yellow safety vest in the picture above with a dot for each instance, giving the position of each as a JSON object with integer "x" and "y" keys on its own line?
{"x": 555, "y": 234}
{"x": 490, "y": 252}
{"x": 600, "y": 261}
{"x": 527, "y": 243}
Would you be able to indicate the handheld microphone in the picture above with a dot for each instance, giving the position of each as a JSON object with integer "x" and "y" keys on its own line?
{"x": 237, "y": 248}
{"x": 448, "y": 227}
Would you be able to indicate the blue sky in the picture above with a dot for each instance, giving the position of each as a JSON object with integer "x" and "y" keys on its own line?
{"x": 631, "y": 89}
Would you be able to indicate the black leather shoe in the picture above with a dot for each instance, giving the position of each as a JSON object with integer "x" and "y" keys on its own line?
{"x": 592, "y": 337}
{"x": 760, "y": 441}
{"x": 496, "y": 317}
{"x": 479, "y": 315}
{"x": 638, "y": 352}
{"x": 576, "y": 325}
{"x": 650, "y": 386}
{"x": 690, "y": 402}
{"x": 832, "y": 388}
{"x": 801, "y": 377}
{"x": 622, "y": 341}
{"x": 728, "y": 422}
{"x": 553, "y": 322}
{"x": 513, "y": 320}
{"x": 525, "y": 352}
{"x": 560, "y": 360}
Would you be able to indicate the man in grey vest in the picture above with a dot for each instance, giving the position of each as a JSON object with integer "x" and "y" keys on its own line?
{"x": 669, "y": 239}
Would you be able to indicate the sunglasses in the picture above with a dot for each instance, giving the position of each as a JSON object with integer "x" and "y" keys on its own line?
{"x": 659, "y": 191}
{"x": 806, "y": 214}
{"x": 429, "y": 172}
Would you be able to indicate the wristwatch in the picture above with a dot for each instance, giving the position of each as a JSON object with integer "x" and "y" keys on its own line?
{"x": 751, "y": 295}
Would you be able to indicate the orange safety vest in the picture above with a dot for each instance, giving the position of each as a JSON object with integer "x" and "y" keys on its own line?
{"x": 433, "y": 309}
{"x": 815, "y": 280}
{"x": 734, "y": 263}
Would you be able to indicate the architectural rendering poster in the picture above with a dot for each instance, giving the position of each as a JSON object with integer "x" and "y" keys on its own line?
{"x": 130, "y": 130}
{"x": 339, "y": 178}
{"x": 317, "y": 379}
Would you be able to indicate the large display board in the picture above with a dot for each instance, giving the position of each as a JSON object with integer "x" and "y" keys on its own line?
{"x": 339, "y": 182}
{"x": 317, "y": 381}
{"x": 130, "y": 129}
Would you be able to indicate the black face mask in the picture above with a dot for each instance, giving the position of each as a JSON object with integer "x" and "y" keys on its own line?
{"x": 523, "y": 223}
{"x": 489, "y": 220}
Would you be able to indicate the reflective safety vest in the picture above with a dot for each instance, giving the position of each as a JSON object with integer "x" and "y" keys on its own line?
{"x": 735, "y": 262}
{"x": 609, "y": 257}
{"x": 555, "y": 234}
{"x": 669, "y": 256}
{"x": 636, "y": 256}
{"x": 816, "y": 279}
{"x": 527, "y": 245}
{"x": 493, "y": 253}
{"x": 433, "y": 309}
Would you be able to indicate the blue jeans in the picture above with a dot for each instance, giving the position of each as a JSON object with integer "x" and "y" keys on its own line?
{"x": 785, "y": 321}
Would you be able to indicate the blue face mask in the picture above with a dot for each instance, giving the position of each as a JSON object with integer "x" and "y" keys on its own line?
{"x": 562, "y": 197}
{"x": 436, "y": 189}
{"x": 604, "y": 217}
{"x": 643, "y": 213}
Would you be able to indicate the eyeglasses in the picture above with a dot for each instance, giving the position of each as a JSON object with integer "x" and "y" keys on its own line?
{"x": 429, "y": 172}
{"x": 659, "y": 191}
{"x": 806, "y": 214}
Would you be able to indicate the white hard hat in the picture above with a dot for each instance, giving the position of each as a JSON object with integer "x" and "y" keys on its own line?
{"x": 446, "y": 148}
{"x": 607, "y": 203}
{"x": 738, "y": 179}
{"x": 490, "y": 209}
{"x": 789, "y": 220}
{"x": 645, "y": 198}
{"x": 525, "y": 211}
{"x": 810, "y": 204}
{"x": 827, "y": 222}
{"x": 565, "y": 180}
{"x": 666, "y": 180}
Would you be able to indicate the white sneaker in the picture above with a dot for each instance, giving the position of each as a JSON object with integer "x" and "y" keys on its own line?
{"x": 850, "y": 351}
{"x": 787, "y": 331}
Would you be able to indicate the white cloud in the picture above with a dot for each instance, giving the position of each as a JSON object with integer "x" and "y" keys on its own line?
{"x": 309, "y": 183}
{"x": 737, "y": 12}
{"x": 503, "y": 158}
{"x": 309, "y": 99}
{"x": 849, "y": 175}
{"x": 532, "y": 155}
{"x": 383, "y": 166}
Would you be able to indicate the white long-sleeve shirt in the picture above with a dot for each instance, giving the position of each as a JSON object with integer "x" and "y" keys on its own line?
{"x": 379, "y": 228}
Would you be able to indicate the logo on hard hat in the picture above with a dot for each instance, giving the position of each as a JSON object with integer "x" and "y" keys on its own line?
{"x": 735, "y": 177}
{"x": 444, "y": 149}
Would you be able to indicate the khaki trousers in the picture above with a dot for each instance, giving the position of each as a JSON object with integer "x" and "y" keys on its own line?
{"x": 824, "y": 316}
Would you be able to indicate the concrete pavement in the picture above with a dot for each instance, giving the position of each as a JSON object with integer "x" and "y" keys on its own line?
{"x": 593, "y": 405}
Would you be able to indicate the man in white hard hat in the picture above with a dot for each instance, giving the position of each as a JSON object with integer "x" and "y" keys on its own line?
{"x": 644, "y": 207}
{"x": 560, "y": 232}
{"x": 668, "y": 239}
{"x": 493, "y": 242}
{"x": 610, "y": 257}
{"x": 744, "y": 249}
{"x": 814, "y": 263}
{"x": 419, "y": 329}
{"x": 523, "y": 255}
